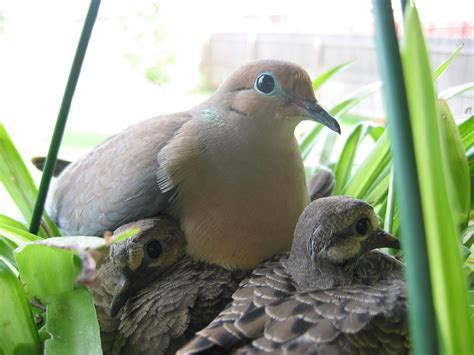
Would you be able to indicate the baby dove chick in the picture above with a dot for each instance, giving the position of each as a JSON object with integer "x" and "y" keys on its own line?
{"x": 153, "y": 297}
{"x": 332, "y": 294}
{"x": 229, "y": 169}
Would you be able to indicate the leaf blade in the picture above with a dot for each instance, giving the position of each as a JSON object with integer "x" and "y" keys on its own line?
{"x": 449, "y": 285}
{"x": 18, "y": 182}
{"x": 17, "y": 328}
{"x": 324, "y": 77}
{"x": 80, "y": 336}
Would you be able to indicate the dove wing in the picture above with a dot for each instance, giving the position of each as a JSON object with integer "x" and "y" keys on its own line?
{"x": 119, "y": 181}
{"x": 268, "y": 314}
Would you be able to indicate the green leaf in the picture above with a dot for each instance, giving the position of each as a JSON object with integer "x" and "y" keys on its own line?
{"x": 379, "y": 189}
{"x": 6, "y": 250}
{"x": 18, "y": 182}
{"x": 72, "y": 323}
{"x": 466, "y": 130}
{"x": 346, "y": 159}
{"x": 17, "y": 329}
{"x": 450, "y": 93}
{"x": 309, "y": 140}
{"x": 17, "y": 235}
{"x": 39, "y": 262}
{"x": 468, "y": 236}
{"x": 440, "y": 70}
{"x": 46, "y": 271}
{"x": 126, "y": 234}
{"x": 322, "y": 78}
{"x": 449, "y": 284}
{"x": 376, "y": 132}
{"x": 370, "y": 170}
{"x": 457, "y": 165}
{"x": 12, "y": 222}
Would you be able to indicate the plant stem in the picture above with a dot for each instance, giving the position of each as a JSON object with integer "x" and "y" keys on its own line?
{"x": 63, "y": 114}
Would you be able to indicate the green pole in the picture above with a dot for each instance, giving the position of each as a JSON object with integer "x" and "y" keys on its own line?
{"x": 63, "y": 114}
{"x": 417, "y": 273}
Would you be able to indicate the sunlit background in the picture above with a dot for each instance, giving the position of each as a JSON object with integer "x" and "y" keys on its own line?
{"x": 154, "y": 57}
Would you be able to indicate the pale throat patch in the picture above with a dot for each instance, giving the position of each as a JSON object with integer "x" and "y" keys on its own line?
{"x": 212, "y": 116}
{"x": 344, "y": 250}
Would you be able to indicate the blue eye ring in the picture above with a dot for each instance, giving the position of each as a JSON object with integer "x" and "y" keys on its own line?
{"x": 267, "y": 84}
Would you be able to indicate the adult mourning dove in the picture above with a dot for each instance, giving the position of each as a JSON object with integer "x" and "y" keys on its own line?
{"x": 229, "y": 169}
{"x": 152, "y": 297}
{"x": 332, "y": 294}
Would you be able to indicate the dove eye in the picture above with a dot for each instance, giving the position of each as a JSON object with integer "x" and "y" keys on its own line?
{"x": 154, "y": 249}
{"x": 362, "y": 226}
{"x": 265, "y": 84}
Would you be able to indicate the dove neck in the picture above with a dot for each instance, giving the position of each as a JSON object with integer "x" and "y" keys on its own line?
{"x": 318, "y": 273}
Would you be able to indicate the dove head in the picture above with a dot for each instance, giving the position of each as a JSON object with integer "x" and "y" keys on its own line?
{"x": 331, "y": 235}
{"x": 272, "y": 92}
{"x": 143, "y": 257}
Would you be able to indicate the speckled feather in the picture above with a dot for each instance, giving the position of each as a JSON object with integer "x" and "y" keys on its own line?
{"x": 269, "y": 313}
{"x": 167, "y": 311}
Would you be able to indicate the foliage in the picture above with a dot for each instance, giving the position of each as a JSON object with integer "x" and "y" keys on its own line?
{"x": 151, "y": 50}
{"x": 444, "y": 156}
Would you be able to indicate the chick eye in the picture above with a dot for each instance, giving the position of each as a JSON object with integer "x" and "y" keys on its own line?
{"x": 362, "y": 226}
{"x": 265, "y": 84}
{"x": 154, "y": 249}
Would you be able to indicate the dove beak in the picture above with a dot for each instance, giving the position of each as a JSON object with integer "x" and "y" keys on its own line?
{"x": 122, "y": 292}
{"x": 379, "y": 239}
{"x": 315, "y": 112}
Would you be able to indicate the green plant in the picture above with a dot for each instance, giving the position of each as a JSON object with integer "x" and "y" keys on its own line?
{"x": 444, "y": 159}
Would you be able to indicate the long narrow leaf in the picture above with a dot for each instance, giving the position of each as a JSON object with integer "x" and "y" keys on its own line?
{"x": 17, "y": 180}
{"x": 370, "y": 169}
{"x": 449, "y": 285}
{"x": 450, "y": 93}
{"x": 457, "y": 165}
{"x": 443, "y": 66}
{"x": 466, "y": 130}
{"x": 18, "y": 333}
{"x": 346, "y": 159}
{"x": 322, "y": 78}
{"x": 379, "y": 189}
{"x": 12, "y": 222}
{"x": 17, "y": 235}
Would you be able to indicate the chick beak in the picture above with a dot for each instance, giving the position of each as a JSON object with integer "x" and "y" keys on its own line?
{"x": 379, "y": 239}
{"x": 122, "y": 292}
{"x": 316, "y": 113}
